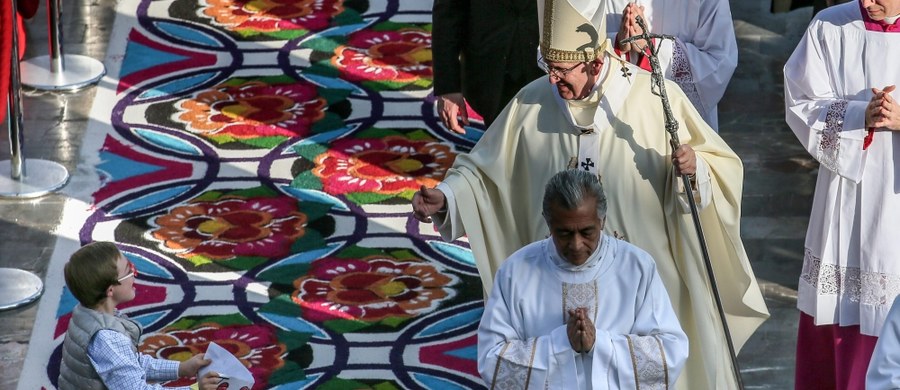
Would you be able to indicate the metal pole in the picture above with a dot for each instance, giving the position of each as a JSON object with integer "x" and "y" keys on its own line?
{"x": 54, "y": 25}
{"x": 14, "y": 105}
{"x": 27, "y": 178}
{"x": 18, "y": 287}
{"x": 59, "y": 71}
{"x": 672, "y": 128}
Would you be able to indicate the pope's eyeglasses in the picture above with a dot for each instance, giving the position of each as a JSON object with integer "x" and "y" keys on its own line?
{"x": 559, "y": 73}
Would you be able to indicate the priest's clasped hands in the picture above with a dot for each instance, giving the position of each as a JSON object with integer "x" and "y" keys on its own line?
{"x": 630, "y": 28}
{"x": 882, "y": 111}
{"x": 580, "y": 330}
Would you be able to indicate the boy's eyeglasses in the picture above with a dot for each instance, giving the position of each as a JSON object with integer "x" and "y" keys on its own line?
{"x": 132, "y": 273}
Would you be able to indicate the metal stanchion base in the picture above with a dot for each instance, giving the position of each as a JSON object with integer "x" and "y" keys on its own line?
{"x": 80, "y": 71}
{"x": 41, "y": 178}
{"x": 18, "y": 288}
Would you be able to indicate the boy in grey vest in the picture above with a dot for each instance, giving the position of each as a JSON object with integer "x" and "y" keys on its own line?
{"x": 101, "y": 346}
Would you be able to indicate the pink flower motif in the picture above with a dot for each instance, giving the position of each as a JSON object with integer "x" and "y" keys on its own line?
{"x": 370, "y": 289}
{"x": 402, "y": 56}
{"x": 231, "y": 226}
{"x": 251, "y": 17}
{"x": 389, "y": 165}
{"x": 256, "y": 346}
{"x": 253, "y": 109}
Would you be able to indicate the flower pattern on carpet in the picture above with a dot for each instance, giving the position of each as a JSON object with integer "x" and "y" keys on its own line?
{"x": 248, "y": 110}
{"x": 220, "y": 226}
{"x": 401, "y": 56}
{"x": 376, "y": 165}
{"x": 258, "y": 347}
{"x": 370, "y": 289}
{"x": 285, "y": 19}
{"x": 265, "y": 153}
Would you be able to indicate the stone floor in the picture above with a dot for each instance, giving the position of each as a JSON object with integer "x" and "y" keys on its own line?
{"x": 779, "y": 175}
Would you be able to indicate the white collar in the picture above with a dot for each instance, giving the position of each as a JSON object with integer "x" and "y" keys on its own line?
{"x": 592, "y": 261}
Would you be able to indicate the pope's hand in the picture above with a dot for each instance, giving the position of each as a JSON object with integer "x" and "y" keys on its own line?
{"x": 449, "y": 107}
{"x": 685, "y": 160}
{"x": 427, "y": 202}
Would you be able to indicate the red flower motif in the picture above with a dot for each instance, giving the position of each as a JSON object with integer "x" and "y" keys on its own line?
{"x": 370, "y": 289}
{"x": 232, "y": 226}
{"x": 389, "y": 165}
{"x": 251, "y": 17}
{"x": 254, "y": 109}
{"x": 254, "y": 345}
{"x": 402, "y": 56}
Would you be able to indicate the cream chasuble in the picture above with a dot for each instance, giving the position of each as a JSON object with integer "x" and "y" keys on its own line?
{"x": 850, "y": 270}
{"x": 522, "y": 341}
{"x": 495, "y": 194}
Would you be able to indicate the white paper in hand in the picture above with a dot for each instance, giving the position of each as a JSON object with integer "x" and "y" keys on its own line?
{"x": 226, "y": 365}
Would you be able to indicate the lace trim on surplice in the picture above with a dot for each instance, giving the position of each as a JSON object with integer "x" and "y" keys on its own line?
{"x": 649, "y": 362}
{"x": 829, "y": 148}
{"x": 681, "y": 75}
{"x": 580, "y": 295}
{"x": 513, "y": 370}
{"x": 863, "y": 287}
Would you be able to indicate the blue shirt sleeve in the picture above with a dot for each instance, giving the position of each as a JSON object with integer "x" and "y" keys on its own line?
{"x": 120, "y": 368}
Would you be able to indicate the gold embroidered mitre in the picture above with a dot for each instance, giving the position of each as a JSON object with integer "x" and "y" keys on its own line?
{"x": 567, "y": 32}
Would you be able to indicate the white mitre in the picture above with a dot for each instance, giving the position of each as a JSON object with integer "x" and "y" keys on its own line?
{"x": 569, "y": 30}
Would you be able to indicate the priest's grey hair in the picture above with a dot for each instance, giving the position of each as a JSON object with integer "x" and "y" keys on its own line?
{"x": 570, "y": 188}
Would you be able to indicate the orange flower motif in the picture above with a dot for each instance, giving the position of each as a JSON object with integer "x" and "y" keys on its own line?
{"x": 253, "y": 109}
{"x": 256, "y": 346}
{"x": 389, "y": 165}
{"x": 370, "y": 289}
{"x": 230, "y": 227}
{"x": 251, "y": 17}
{"x": 402, "y": 56}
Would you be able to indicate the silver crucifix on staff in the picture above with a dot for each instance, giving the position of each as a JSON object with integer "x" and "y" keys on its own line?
{"x": 658, "y": 88}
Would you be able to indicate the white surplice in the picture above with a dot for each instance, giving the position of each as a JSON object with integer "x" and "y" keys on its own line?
{"x": 522, "y": 340}
{"x": 850, "y": 270}
{"x": 704, "y": 54}
{"x": 884, "y": 368}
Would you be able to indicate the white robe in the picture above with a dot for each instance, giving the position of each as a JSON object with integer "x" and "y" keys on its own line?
{"x": 522, "y": 341}
{"x": 884, "y": 368}
{"x": 498, "y": 189}
{"x": 704, "y": 54}
{"x": 850, "y": 270}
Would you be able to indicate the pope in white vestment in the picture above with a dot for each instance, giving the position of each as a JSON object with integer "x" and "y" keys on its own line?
{"x": 579, "y": 310}
{"x": 617, "y": 131}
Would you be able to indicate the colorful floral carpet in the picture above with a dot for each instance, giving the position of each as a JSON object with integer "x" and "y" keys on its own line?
{"x": 255, "y": 160}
